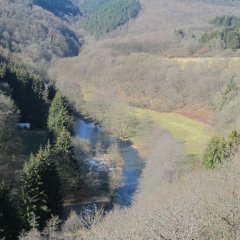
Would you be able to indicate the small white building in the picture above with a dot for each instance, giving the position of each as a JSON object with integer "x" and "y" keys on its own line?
{"x": 24, "y": 125}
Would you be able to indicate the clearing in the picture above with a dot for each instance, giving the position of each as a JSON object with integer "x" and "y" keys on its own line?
{"x": 193, "y": 134}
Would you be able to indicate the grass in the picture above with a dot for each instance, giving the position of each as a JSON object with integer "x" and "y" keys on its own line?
{"x": 193, "y": 134}
{"x": 231, "y": 63}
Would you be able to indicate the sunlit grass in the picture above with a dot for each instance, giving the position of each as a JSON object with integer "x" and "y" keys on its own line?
{"x": 193, "y": 134}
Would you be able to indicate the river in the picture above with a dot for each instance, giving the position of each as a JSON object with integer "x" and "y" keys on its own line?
{"x": 123, "y": 195}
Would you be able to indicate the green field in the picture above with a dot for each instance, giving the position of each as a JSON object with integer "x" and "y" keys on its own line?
{"x": 193, "y": 134}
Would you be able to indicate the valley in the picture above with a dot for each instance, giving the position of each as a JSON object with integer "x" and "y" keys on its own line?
{"x": 133, "y": 108}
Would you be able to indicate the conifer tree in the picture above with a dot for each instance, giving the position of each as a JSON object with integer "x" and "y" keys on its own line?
{"x": 64, "y": 143}
{"x": 10, "y": 223}
{"x": 40, "y": 195}
{"x": 66, "y": 163}
{"x": 59, "y": 118}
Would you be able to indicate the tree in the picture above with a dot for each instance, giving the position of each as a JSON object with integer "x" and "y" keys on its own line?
{"x": 10, "y": 222}
{"x": 39, "y": 192}
{"x": 10, "y": 141}
{"x": 27, "y": 92}
{"x": 60, "y": 8}
{"x": 220, "y": 149}
{"x": 216, "y": 152}
{"x": 51, "y": 91}
{"x": 59, "y": 118}
{"x": 67, "y": 166}
{"x": 230, "y": 92}
{"x": 106, "y": 16}
{"x": 233, "y": 40}
{"x": 64, "y": 144}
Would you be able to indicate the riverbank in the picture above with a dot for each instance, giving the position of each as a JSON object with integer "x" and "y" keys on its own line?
{"x": 105, "y": 179}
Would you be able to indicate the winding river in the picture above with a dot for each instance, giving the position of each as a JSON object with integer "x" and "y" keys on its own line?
{"x": 133, "y": 164}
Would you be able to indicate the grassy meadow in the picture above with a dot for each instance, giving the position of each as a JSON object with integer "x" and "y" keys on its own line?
{"x": 193, "y": 134}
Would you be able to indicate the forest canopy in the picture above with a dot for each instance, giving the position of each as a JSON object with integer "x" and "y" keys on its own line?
{"x": 106, "y": 16}
{"x": 60, "y": 8}
{"x": 228, "y": 32}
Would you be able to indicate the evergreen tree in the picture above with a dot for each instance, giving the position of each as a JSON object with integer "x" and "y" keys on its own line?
{"x": 217, "y": 151}
{"x": 230, "y": 92}
{"x": 220, "y": 149}
{"x": 64, "y": 143}
{"x": 233, "y": 40}
{"x": 234, "y": 141}
{"x": 59, "y": 118}
{"x": 51, "y": 91}
{"x": 105, "y": 16}
{"x": 27, "y": 92}
{"x": 10, "y": 223}
{"x": 40, "y": 189}
{"x": 66, "y": 164}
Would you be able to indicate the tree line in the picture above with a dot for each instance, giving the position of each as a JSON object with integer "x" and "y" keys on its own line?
{"x": 27, "y": 91}
{"x": 229, "y": 32}
{"x": 53, "y": 171}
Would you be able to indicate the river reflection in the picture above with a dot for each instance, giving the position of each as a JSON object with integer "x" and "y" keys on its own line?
{"x": 133, "y": 164}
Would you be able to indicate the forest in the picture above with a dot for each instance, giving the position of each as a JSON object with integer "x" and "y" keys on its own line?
{"x": 60, "y": 8}
{"x": 229, "y": 34}
{"x": 47, "y": 175}
{"x": 102, "y": 17}
{"x": 119, "y": 119}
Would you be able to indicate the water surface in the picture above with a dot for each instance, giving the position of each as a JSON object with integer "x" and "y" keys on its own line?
{"x": 133, "y": 164}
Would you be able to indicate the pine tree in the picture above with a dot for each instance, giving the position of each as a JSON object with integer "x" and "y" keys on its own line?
{"x": 51, "y": 91}
{"x": 217, "y": 151}
{"x": 40, "y": 195}
{"x": 64, "y": 143}
{"x": 66, "y": 163}
{"x": 10, "y": 223}
{"x": 27, "y": 92}
{"x": 59, "y": 118}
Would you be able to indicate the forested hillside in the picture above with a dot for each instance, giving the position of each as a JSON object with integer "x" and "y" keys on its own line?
{"x": 34, "y": 35}
{"x": 61, "y": 8}
{"x": 35, "y": 176}
{"x": 91, "y": 6}
{"x": 138, "y": 133}
{"x": 155, "y": 69}
{"x": 105, "y": 16}
{"x": 228, "y": 32}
